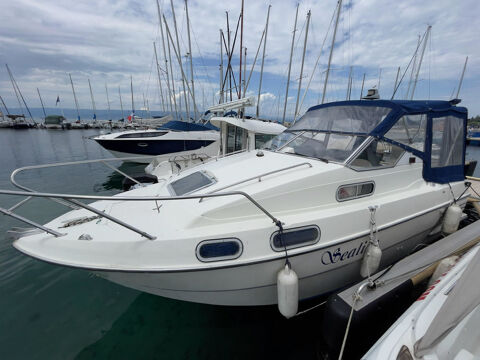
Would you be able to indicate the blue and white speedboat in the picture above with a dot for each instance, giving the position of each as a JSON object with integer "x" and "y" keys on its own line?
{"x": 175, "y": 137}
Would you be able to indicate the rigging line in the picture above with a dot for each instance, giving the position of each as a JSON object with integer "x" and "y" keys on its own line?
{"x": 410, "y": 63}
{"x": 316, "y": 62}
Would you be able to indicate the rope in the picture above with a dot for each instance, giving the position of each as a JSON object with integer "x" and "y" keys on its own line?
{"x": 356, "y": 297}
{"x": 307, "y": 310}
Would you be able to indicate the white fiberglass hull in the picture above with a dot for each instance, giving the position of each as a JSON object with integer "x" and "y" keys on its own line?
{"x": 320, "y": 271}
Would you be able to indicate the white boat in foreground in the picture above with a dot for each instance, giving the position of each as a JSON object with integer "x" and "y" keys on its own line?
{"x": 220, "y": 232}
{"x": 443, "y": 323}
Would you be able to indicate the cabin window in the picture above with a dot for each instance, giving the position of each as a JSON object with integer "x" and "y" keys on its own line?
{"x": 235, "y": 138}
{"x": 376, "y": 155}
{"x": 261, "y": 139}
{"x": 196, "y": 181}
{"x": 409, "y": 130}
{"x": 219, "y": 249}
{"x": 355, "y": 191}
{"x": 294, "y": 238}
{"x": 447, "y": 141}
{"x": 142, "y": 135}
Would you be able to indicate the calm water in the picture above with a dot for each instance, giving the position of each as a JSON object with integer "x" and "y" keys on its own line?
{"x": 52, "y": 312}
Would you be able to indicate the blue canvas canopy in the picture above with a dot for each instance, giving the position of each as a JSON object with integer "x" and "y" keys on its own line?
{"x": 434, "y": 131}
{"x": 187, "y": 126}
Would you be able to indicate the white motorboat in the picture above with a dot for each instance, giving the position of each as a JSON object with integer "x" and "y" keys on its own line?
{"x": 443, "y": 323}
{"x": 175, "y": 137}
{"x": 219, "y": 232}
{"x": 56, "y": 122}
{"x": 237, "y": 134}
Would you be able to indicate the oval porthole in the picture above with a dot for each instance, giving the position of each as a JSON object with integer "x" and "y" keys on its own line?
{"x": 142, "y": 144}
{"x": 219, "y": 249}
{"x": 295, "y": 238}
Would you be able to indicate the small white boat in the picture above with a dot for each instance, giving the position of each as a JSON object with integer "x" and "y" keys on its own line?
{"x": 220, "y": 232}
{"x": 443, "y": 323}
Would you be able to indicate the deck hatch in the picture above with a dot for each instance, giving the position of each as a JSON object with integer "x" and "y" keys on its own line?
{"x": 294, "y": 238}
{"x": 219, "y": 249}
{"x": 196, "y": 181}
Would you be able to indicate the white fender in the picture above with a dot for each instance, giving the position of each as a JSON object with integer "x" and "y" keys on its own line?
{"x": 287, "y": 292}
{"x": 451, "y": 220}
{"x": 371, "y": 260}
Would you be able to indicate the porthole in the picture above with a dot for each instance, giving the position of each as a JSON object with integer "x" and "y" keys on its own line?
{"x": 295, "y": 238}
{"x": 355, "y": 191}
{"x": 219, "y": 249}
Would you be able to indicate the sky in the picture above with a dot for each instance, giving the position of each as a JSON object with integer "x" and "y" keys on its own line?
{"x": 108, "y": 42}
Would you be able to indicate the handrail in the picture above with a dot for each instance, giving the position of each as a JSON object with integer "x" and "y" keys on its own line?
{"x": 73, "y": 198}
{"x": 259, "y": 177}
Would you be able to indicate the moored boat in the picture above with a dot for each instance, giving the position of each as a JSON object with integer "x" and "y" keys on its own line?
{"x": 220, "y": 232}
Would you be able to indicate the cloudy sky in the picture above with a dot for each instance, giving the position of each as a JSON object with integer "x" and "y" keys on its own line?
{"x": 108, "y": 41}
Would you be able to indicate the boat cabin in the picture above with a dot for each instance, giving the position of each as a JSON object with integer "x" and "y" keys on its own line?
{"x": 367, "y": 135}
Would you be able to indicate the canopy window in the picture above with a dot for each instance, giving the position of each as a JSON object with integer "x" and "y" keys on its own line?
{"x": 342, "y": 119}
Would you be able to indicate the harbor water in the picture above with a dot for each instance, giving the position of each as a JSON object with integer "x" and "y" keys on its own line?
{"x": 53, "y": 312}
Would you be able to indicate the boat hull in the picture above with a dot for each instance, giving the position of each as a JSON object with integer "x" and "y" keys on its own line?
{"x": 320, "y": 271}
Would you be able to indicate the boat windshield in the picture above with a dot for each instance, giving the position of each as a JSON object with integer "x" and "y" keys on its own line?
{"x": 329, "y": 133}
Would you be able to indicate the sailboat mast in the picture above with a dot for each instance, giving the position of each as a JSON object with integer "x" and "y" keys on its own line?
{"x": 131, "y": 92}
{"x": 331, "y": 51}
{"x": 421, "y": 59}
{"x": 180, "y": 62}
{"x": 166, "y": 61}
{"x": 221, "y": 68}
{"x": 108, "y": 101}
{"x": 263, "y": 60}
{"x": 93, "y": 101}
{"x": 349, "y": 85}
{"x": 396, "y": 82}
{"x": 177, "y": 108}
{"x": 363, "y": 83}
{"x": 121, "y": 104}
{"x": 461, "y": 78}
{"x": 413, "y": 67}
{"x": 159, "y": 77}
{"x": 241, "y": 48}
{"x": 74, "y": 97}
{"x": 301, "y": 68}
{"x": 290, "y": 65}
{"x": 5, "y": 106}
{"x": 41, "y": 102}
{"x": 191, "y": 61}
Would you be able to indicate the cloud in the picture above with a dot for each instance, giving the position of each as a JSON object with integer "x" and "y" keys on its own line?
{"x": 111, "y": 41}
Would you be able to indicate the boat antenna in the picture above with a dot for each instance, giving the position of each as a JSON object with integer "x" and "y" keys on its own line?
{"x": 263, "y": 61}
{"x": 303, "y": 61}
{"x": 290, "y": 65}
{"x": 74, "y": 97}
{"x": 41, "y": 102}
{"x": 331, "y": 50}
{"x": 461, "y": 78}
